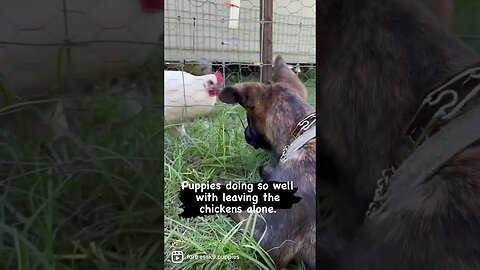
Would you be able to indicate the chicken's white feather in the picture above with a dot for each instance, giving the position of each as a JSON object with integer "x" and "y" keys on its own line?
{"x": 187, "y": 96}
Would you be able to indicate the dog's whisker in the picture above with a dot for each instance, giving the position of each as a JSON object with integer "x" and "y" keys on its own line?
{"x": 274, "y": 248}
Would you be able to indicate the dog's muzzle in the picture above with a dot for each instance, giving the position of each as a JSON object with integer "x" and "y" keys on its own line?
{"x": 254, "y": 139}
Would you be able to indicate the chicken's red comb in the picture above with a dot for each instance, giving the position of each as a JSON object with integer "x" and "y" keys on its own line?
{"x": 219, "y": 77}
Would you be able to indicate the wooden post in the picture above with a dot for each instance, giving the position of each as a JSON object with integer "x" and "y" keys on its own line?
{"x": 266, "y": 37}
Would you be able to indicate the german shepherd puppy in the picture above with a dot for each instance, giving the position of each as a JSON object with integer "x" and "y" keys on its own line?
{"x": 274, "y": 110}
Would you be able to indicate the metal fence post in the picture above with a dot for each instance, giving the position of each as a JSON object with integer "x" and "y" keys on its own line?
{"x": 266, "y": 36}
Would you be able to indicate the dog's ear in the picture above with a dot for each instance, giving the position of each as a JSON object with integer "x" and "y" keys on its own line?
{"x": 283, "y": 74}
{"x": 242, "y": 93}
{"x": 229, "y": 95}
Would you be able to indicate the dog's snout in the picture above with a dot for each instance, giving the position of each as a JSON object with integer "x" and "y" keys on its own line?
{"x": 250, "y": 138}
{"x": 255, "y": 140}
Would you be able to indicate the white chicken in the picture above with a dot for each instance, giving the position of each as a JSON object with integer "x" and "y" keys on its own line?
{"x": 187, "y": 96}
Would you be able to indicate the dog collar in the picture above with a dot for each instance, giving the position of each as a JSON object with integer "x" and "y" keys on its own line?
{"x": 442, "y": 112}
{"x": 302, "y": 133}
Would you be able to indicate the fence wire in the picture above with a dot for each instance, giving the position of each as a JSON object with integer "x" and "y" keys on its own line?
{"x": 51, "y": 51}
{"x": 69, "y": 44}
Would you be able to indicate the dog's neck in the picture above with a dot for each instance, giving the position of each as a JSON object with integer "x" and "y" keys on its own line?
{"x": 284, "y": 128}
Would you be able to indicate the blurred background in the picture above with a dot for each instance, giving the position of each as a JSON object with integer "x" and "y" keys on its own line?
{"x": 80, "y": 134}
{"x": 466, "y": 22}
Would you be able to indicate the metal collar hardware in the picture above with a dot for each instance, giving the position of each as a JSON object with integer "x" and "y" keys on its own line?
{"x": 302, "y": 133}
{"x": 438, "y": 109}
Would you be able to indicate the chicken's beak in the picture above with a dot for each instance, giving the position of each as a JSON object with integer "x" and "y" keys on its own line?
{"x": 214, "y": 90}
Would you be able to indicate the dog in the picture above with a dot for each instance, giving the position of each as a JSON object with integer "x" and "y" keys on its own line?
{"x": 442, "y": 10}
{"x": 378, "y": 60}
{"x": 281, "y": 121}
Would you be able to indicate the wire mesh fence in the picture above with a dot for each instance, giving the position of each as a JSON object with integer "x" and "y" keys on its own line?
{"x": 46, "y": 45}
{"x": 74, "y": 118}
{"x": 202, "y": 37}
{"x": 55, "y": 53}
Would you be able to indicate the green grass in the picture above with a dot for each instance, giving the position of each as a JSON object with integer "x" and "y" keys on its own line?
{"x": 215, "y": 146}
{"x": 92, "y": 201}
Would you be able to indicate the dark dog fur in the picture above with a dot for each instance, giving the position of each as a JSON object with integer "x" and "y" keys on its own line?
{"x": 377, "y": 60}
{"x": 290, "y": 233}
{"x": 442, "y": 10}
